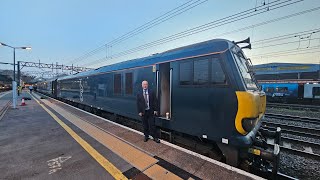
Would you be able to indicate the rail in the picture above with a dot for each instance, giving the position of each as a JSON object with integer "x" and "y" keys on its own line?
{"x": 314, "y": 108}
{"x": 293, "y": 118}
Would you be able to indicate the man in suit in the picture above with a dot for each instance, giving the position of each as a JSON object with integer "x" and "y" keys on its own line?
{"x": 147, "y": 105}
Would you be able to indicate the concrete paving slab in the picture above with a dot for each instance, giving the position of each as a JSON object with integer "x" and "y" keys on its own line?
{"x": 34, "y": 146}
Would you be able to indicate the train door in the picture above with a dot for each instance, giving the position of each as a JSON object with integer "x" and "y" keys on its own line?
{"x": 54, "y": 88}
{"x": 164, "y": 80}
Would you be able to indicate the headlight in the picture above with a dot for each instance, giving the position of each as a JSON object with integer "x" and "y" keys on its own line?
{"x": 249, "y": 124}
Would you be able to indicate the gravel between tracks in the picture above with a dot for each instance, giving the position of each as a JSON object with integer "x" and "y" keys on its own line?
{"x": 293, "y": 165}
{"x": 294, "y": 123}
{"x": 293, "y": 112}
{"x": 299, "y": 167}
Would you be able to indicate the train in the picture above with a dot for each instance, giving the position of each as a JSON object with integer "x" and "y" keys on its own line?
{"x": 205, "y": 90}
{"x": 305, "y": 92}
{"x": 5, "y": 87}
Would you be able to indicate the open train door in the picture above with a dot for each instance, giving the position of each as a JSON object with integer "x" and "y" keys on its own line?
{"x": 54, "y": 88}
{"x": 164, "y": 90}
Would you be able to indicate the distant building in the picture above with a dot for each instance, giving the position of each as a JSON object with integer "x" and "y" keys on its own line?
{"x": 7, "y": 73}
{"x": 286, "y": 71}
{"x": 5, "y": 80}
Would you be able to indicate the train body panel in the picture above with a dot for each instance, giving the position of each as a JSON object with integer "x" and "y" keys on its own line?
{"x": 292, "y": 92}
{"x": 204, "y": 90}
{"x": 311, "y": 91}
{"x": 284, "y": 90}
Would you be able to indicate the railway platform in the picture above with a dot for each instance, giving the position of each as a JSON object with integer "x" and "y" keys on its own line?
{"x": 48, "y": 139}
{"x": 5, "y": 101}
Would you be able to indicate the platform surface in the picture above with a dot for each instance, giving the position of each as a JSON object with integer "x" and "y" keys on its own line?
{"x": 47, "y": 139}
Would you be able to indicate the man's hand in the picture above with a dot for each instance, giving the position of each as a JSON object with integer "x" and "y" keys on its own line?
{"x": 155, "y": 113}
{"x": 140, "y": 114}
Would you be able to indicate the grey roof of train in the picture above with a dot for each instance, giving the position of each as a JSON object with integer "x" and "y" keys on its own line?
{"x": 215, "y": 45}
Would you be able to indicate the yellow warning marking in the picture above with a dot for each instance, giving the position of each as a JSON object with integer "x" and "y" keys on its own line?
{"x": 158, "y": 172}
{"x": 132, "y": 155}
{"x": 107, "y": 165}
{"x": 256, "y": 152}
{"x": 137, "y": 158}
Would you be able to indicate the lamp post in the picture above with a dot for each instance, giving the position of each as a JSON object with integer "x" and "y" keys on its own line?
{"x": 14, "y": 83}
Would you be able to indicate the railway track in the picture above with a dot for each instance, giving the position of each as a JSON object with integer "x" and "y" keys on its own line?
{"x": 306, "y": 148}
{"x": 313, "y": 108}
{"x": 296, "y": 146}
{"x": 294, "y": 130}
{"x": 293, "y": 118}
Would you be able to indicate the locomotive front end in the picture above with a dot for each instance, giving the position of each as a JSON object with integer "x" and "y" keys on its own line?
{"x": 250, "y": 136}
{"x": 251, "y": 109}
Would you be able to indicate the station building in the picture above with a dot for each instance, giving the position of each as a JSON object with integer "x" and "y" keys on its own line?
{"x": 287, "y": 71}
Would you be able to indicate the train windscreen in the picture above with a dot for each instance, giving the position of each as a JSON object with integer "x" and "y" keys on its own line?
{"x": 242, "y": 63}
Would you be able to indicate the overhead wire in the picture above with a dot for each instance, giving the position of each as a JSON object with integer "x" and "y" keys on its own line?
{"x": 286, "y": 36}
{"x": 292, "y": 54}
{"x": 284, "y": 52}
{"x": 255, "y": 10}
{"x": 156, "y": 23}
{"x": 212, "y": 25}
{"x": 284, "y": 43}
{"x": 164, "y": 17}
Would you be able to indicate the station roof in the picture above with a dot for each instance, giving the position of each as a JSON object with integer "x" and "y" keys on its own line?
{"x": 279, "y": 68}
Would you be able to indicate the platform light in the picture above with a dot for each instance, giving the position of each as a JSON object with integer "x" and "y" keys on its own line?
{"x": 14, "y": 83}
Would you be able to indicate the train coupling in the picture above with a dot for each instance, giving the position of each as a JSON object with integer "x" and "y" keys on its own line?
{"x": 266, "y": 157}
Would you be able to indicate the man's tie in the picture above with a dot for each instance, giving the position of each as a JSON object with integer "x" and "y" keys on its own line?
{"x": 145, "y": 97}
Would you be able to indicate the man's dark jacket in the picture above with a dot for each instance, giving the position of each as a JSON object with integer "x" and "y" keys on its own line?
{"x": 141, "y": 105}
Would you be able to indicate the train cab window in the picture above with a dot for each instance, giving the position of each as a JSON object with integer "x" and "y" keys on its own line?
{"x": 186, "y": 73}
{"x": 117, "y": 84}
{"x": 201, "y": 72}
{"x": 217, "y": 74}
{"x": 316, "y": 91}
{"x": 129, "y": 84}
{"x": 242, "y": 65}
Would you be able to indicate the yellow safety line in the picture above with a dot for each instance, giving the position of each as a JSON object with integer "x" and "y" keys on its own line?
{"x": 107, "y": 165}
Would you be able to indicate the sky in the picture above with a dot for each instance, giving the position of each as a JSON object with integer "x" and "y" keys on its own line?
{"x": 61, "y": 31}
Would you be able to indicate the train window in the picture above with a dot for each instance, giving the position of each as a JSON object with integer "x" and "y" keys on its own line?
{"x": 281, "y": 89}
{"x": 201, "y": 72}
{"x": 316, "y": 91}
{"x": 129, "y": 83}
{"x": 270, "y": 89}
{"x": 242, "y": 65}
{"x": 217, "y": 74}
{"x": 186, "y": 73}
{"x": 117, "y": 84}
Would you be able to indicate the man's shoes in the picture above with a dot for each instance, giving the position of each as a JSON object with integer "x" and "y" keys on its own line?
{"x": 146, "y": 139}
{"x": 156, "y": 140}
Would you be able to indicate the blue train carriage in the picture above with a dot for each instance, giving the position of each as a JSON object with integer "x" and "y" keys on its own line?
{"x": 205, "y": 90}
{"x": 281, "y": 92}
{"x": 292, "y": 92}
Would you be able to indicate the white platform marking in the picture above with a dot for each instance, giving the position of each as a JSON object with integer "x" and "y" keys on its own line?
{"x": 56, "y": 164}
